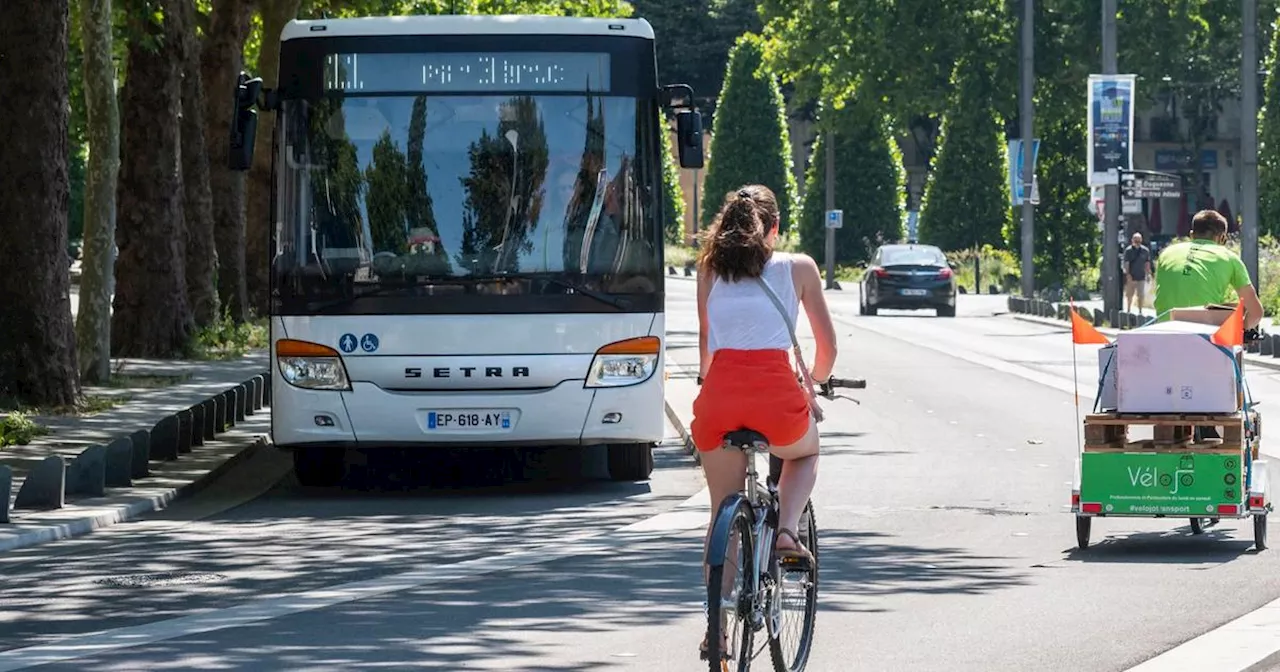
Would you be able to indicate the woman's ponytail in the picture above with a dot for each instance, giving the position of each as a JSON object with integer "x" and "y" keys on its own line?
{"x": 737, "y": 244}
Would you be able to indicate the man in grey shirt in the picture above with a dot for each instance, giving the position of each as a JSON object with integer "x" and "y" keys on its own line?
{"x": 1137, "y": 269}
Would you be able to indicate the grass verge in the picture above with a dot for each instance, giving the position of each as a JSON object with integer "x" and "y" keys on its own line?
{"x": 18, "y": 429}
{"x": 225, "y": 339}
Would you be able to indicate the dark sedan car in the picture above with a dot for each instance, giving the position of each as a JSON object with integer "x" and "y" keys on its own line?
{"x": 910, "y": 277}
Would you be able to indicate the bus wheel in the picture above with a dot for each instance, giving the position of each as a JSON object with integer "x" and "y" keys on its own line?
{"x": 319, "y": 467}
{"x": 630, "y": 461}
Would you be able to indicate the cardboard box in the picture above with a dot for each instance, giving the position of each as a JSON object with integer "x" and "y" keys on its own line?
{"x": 1107, "y": 378}
{"x": 1172, "y": 367}
{"x": 1212, "y": 315}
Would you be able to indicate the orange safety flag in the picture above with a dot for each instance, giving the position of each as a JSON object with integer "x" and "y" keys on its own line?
{"x": 1083, "y": 333}
{"x": 1231, "y": 333}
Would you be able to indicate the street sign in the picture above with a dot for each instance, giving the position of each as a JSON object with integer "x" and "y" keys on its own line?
{"x": 1131, "y": 206}
{"x": 1150, "y": 184}
{"x": 835, "y": 219}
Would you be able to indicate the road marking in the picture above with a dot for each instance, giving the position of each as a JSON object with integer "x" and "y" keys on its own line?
{"x": 76, "y": 647}
{"x": 1237, "y": 645}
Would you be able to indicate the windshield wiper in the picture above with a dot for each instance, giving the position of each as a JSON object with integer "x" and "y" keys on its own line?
{"x": 574, "y": 287}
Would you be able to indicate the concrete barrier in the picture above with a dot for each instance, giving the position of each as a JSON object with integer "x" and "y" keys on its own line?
{"x": 242, "y": 401}
{"x": 119, "y": 469}
{"x": 197, "y": 425}
{"x": 184, "y": 431}
{"x": 45, "y": 486}
{"x": 210, "y": 419}
{"x": 1097, "y": 318}
{"x": 1267, "y": 348}
{"x": 266, "y": 389}
{"x": 6, "y": 491}
{"x": 164, "y": 439}
{"x": 140, "y": 444}
{"x": 87, "y": 473}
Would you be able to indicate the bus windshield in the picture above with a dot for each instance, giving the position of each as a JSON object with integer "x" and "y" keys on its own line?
{"x": 409, "y": 204}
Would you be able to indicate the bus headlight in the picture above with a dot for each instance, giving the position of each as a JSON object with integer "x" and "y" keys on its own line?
{"x": 311, "y": 366}
{"x": 628, "y": 362}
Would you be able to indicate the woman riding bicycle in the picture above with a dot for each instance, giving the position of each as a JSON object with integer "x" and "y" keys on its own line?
{"x": 743, "y": 343}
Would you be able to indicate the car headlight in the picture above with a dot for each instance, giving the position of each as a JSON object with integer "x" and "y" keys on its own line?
{"x": 311, "y": 366}
{"x": 628, "y": 362}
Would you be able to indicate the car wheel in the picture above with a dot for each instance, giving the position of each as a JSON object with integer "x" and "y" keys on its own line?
{"x": 871, "y": 310}
{"x": 862, "y": 301}
{"x": 946, "y": 311}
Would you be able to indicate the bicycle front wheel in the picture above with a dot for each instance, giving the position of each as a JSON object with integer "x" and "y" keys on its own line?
{"x": 795, "y": 605}
{"x": 731, "y": 585}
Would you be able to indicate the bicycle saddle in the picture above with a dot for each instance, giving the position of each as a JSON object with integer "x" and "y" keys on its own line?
{"x": 745, "y": 438}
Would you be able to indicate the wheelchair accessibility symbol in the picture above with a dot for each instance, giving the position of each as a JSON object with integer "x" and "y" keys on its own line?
{"x": 369, "y": 343}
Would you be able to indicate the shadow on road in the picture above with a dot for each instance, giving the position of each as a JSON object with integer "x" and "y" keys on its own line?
{"x": 1217, "y": 545}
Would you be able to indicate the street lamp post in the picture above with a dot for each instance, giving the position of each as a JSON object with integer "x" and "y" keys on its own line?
{"x": 1111, "y": 229}
{"x": 1028, "y": 130}
{"x": 1249, "y": 140}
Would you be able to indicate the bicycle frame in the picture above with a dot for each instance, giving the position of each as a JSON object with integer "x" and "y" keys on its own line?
{"x": 761, "y": 504}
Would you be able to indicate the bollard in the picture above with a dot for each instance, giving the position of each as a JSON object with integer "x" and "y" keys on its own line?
{"x": 184, "y": 431}
{"x": 229, "y": 409}
{"x": 6, "y": 490}
{"x": 141, "y": 445}
{"x": 1252, "y": 347}
{"x": 251, "y": 389}
{"x": 219, "y": 413}
{"x": 45, "y": 485}
{"x": 242, "y": 401}
{"x": 197, "y": 425}
{"x": 1275, "y": 344}
{"x": 119, "y": 468}
{"x": 266, "y": 389}
{"x": 210, "y": 407}
{"x": 164, "y": 439}
{"x": 1267, "y": 347}
{"x": 1097, "y": 317}
{"x": 259, "y": 389}
{"x": 87, "y": 473}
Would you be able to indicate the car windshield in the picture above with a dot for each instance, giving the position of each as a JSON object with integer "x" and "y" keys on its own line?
{"x": 912, "y": 256}
{"x": 408, "y": 191}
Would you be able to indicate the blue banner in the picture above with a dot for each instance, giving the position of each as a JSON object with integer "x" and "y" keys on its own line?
{"x": 1015, "y": 162}
{"x": 1110, "y": 144}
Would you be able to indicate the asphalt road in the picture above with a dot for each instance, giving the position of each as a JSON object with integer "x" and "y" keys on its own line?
{"x": 940, "y": 503}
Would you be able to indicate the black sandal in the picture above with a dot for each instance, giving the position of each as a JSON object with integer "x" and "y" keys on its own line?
{"x": 799, "y": 553}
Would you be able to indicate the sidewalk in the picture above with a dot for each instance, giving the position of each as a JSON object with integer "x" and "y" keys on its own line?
{"x": 165, "y": 410}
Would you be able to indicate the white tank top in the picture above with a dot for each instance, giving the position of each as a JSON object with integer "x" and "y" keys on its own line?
{"x": 740, "y": 315}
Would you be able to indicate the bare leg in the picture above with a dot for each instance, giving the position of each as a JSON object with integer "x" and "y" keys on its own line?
{"x": 795, "y": 485}
{"x": 726, "y": 472}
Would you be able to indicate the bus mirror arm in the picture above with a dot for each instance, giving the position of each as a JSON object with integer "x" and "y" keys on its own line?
{"x": 244, "y": 122}
{"x": 688, "y": 124}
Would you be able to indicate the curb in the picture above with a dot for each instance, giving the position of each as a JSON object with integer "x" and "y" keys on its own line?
{"x": 128, "y": 512}
{"x": 1258, "y": 360}
{"x": 682, "y": 431}
{"x": 117, "y": 462}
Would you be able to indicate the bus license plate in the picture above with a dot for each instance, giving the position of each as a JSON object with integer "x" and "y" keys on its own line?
{"x": 915, "y": 292}
{"x": 469, "y": 420}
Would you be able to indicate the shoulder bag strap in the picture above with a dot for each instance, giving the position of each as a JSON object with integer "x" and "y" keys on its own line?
{"x": 795, "y": 345}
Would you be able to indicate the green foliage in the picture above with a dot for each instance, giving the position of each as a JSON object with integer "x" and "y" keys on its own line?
{"x": 869, "y": 185}
{"x": 672, "y": 197}
{"x": 998, "y": 266}
{"x": 18, "y": 429}
{"x": 749, "y": 141}
{"x": 966, "y": 200}
{"x": 693, "y": 38}
{"x": 228, "y": 339}
{"x": 1269, "y": 142}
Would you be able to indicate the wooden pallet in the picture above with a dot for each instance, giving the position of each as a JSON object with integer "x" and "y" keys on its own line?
{"x": 1151, "y": 446}
{"x": 1110, "y": 431}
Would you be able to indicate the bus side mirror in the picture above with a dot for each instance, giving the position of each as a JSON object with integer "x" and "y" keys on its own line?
{"x": 244, "y": 122}
{"x": 689, "y": 134}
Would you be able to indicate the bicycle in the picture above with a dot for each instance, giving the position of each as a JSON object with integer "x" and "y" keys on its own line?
{"x": 752, "y": 514}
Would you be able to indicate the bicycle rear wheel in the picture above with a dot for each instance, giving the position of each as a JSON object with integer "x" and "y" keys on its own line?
{"x": 794, "y": 613}
{"x": 730, "y": 592}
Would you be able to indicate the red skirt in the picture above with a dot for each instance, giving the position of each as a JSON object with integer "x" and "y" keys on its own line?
{"x": 750, "y": 389}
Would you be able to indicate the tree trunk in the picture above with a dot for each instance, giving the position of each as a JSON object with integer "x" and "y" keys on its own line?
{"x": 37, "y": 341}
{"x": 97, "y": 275}
{"x": 275, "y": 14}
{"x": 202, "y": 253}
{"x": 221, "y": 59}
{"x": 152, "y": 317}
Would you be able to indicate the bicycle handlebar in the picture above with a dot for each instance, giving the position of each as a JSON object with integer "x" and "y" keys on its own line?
{"x": 827, "y": 389}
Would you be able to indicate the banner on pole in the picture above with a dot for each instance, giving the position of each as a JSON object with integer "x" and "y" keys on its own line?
{"x": 1017, "y": 190}
{"x": 1110, "y": 146}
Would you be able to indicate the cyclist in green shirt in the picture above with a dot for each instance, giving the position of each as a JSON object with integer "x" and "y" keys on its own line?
{"x": 1201, "y": 271}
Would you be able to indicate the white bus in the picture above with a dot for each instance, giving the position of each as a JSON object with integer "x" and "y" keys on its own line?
{"x": 468, "y": 238}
